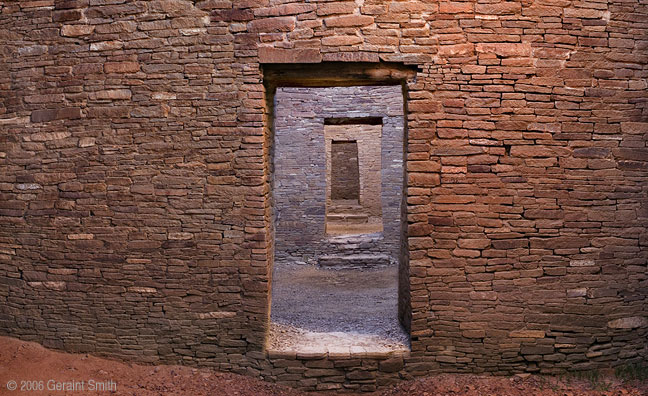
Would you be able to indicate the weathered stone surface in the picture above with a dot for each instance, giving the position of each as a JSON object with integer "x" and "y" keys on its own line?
{"x": 55, "y": 114}
{"x": 348, "y": 21}
{"x": 527, "y": 334}
{"x": 121, "y": 67}
{"x": 136, "y": 177}
{"x": 391, "y": 365}
{"x": 269, "y": 25}
{"x": 278, "y": 55}
{"x": 628, "y": 323}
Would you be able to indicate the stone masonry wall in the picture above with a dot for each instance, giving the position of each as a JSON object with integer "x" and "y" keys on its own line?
{"x": 135, "y": 180}
{"x": 300, "y": 164}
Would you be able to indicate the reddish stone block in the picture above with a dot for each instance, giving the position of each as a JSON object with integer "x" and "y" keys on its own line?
{"x": 280, "y": 55}
{"x": 473, "y": 69}
{"x": 455, "y": 7}
{"x": 456, "y": 50}
{"x": 423, "y": 179}
{"x": 43, "y": 115}
{"x": 55, "y": 114}
{"x": 286, "y": 9}
{"x": 66, "y": 15}
{"x": 543, "y": 214}
{"x": 591, "y": 152}
{"x": 510, "y": 243}
{"x": 426, "y": 106}
{"x": 502, "y": 8}
{"x": 121, "y": 67}
{"x": 343, "y": 7}
{"x": 348, "y": 21}
{"x": 341, "y": 40}
{"x": 559, "y": 242}
{"x": 270, "y": 25}
{"x": 76, "y": 30}
{"x": 532, "y": 151}
{"x": 634, "y": 127}
{"x": 505, "y": 49}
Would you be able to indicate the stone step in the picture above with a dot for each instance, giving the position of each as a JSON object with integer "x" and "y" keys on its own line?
{"x": 348, "y": 217}
{"x": 358, "y": 238}
{"x": 354, "y": 260}
{"x": 344, "y": 208}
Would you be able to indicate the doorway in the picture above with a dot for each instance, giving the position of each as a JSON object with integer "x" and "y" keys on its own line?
{"x": 337, "y": 176}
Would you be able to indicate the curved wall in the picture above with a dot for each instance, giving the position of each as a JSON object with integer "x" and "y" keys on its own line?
{"x": 134, "y": 182}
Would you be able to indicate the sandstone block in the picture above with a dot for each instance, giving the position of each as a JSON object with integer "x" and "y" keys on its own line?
{"x": 280, "y": 55}
{"x": 76, "y": 30}
{"x": 114, "y": 94}
{"x": 270, "y": 25}
{"x": 631, "y": 322}
{"x": 86, "y": 142}
{"x": 501, "y": 8}
{"x": 55, "y": 114}
{"x": 423, "y": 179}
{"x": 180, "y": 235}
{"x": 341, "y": 40}
{"x": 80, "y": 236}
{"x": 473, "y": 333}
{"x": 121, "y": 67}
{"x": 391, "y": 365}
{"x": 527, "y": 334}
{"x": 106, "y": 45}
{"x": 456, "y": 50}
{"x": 286, "y": 9}
{"x": 585, "y": 13}
{"x": 455, "y": 7}
{"x": 473, "y": 69}
{"x": 66, "y": 15}
{"x": 348, "y": 21}
{"x": 505, "y": 49}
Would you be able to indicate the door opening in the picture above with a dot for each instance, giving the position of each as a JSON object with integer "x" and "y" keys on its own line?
{"x": 337, "y": 171}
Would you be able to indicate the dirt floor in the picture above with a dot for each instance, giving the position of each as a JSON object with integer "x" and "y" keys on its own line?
{"x": 22, "y": 361}
{"x": 337, "y": 308}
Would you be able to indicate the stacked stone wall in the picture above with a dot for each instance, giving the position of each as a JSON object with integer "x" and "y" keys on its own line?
{"x": 135, "y": 180}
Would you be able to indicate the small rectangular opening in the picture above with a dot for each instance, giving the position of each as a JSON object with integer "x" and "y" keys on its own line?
{"x": 353, "y": 120}
{"x": 345, "y": 175}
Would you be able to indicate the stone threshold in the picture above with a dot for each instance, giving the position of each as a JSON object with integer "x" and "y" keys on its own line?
{"x": 333, "y": 355}
{"x": 289, "y": 342}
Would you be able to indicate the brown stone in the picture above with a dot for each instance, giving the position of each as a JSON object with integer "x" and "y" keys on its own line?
{"x": 277, "y": 55}
{"x": 138, "y": 162}
{"x": 341, "y": 40}
{"x": 391, "y": 365}
{"x": 121, "y": 67}
{"x": 527, "y": 334}
{"x": 55, "y": 114}
{"x": 504, "y": 49}
{"x": 269, "y": 25}
{"x": 423, "y": 179}
{"x": 76, "y": 30}
{"x": 348, "y": 21}
{"x": 559, "y": 242}
{"x": 502, "y": 8}
{"x": 66, "y": 15}
{"x": 455, "y": 7}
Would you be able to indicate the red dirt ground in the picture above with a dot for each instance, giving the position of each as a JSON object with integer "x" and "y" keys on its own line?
{"x": 24, "y": 361}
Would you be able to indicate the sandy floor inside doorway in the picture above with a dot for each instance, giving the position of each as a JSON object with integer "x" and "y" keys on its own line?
{"x": 336, "y": 311}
